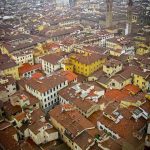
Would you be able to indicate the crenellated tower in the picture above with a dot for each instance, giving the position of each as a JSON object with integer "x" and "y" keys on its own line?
{"x": 109, "y": 4}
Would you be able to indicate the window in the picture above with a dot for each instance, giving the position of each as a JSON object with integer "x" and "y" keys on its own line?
{"x": 34, "y": 105}
{"x": 114, "y": 137}
{"x": 105, "y": 130}
{"x": 113, "y": 84}
{"x": 45, "y": 105}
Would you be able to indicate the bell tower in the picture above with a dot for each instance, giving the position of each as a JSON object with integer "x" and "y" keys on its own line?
{"x": 109, "y": 4}
{"x": 129, "y": 18}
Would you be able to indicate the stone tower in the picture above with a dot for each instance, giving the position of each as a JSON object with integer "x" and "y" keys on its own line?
{"x": 72, "y": 3}
{"x": 109, "y": 16}
{"x": 129, "y": 18}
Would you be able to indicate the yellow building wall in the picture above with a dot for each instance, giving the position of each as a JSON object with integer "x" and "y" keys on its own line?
{"x": 127, "y": 81}
{"x": 40, "y": 28}
{"x": 12, "y": 71}
{"x": 141, "y": 82}
{"x": 126, "y": 104}
{"x": 113, "y": 45}
{"x": 117, "y": 85}
{"x": 142, "y": 50}
{"x": 112, "y": 70}
{"x": 147, "y": 96}
{"x": 139, "y": 38}
{"x": 87, "y": 70}
{"x": 4, "y": 50}
{"x": 114, "y": 53}
{"x": 107, "y": 70}
{"x": 69, "y": 67}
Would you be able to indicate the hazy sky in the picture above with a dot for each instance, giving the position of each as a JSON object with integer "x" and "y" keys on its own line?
{"x": 63, "y": 1}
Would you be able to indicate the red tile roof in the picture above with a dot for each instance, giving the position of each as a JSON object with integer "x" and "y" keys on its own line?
{"x": 132, "y": 88}
{"x": 43, "y": 85}
{"x": 37, "y": 75}
{"x": 7, "y": 140}
{"x": 27, "y": 67}
{"x": 72, "y": 120}
{"x": 54, "y": 58}
{"x": 51, "y": 46}
{"x": 69, "y": 75}
{"x": 115, "y": 94}
{"x": 20, "y": 116}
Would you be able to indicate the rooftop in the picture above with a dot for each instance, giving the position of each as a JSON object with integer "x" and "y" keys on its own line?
{"x": 27, "y": 68}
{"x": 8, "y": 135}
{"x": 87, "y": 59}
{"x": 46, "y": 83}
{"x": 76, "y": 122}
{"x": 54, "y": 58}
{"x": 132, "y": 88}
{"x": 6, "y": 62}
{"x": 82, "y": 95}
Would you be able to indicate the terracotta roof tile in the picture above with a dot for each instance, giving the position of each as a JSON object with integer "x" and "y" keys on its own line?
{"x": 115, "y": 94}
{"x": 20, "y": 116}
{"x": 76, "y": 122}
{"x": 27, "y": 67}
{"x": 69, "y": 75}
{"x": 132, "y": 88}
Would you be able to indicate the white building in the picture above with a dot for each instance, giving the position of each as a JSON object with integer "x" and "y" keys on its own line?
{"x": 23, "y": 56}
{"x": 104, "y": 37}
{"x": 41, "y": 132}
{"x": 52, "y": 62}
{"x": 46, "y": 89}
